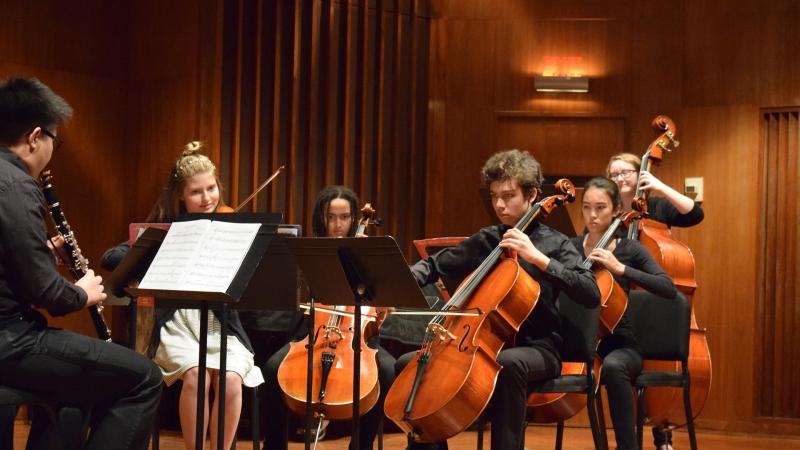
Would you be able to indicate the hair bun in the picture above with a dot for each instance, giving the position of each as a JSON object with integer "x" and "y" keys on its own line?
{"x": 192, "y": 148}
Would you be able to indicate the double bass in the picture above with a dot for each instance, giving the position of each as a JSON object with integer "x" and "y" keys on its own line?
{"x": 450, "y": 380}
{"x": 557, "y": 407}
{"x": 665, "y": 404}
{"x": 332, "y": 378}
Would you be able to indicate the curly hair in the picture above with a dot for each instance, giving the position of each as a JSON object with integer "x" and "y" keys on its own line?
{"x": 319, "y": 216}
{"x": 27, "y": 103}
{"x": 514, "y": 165}
{"x": 190, "y": 163}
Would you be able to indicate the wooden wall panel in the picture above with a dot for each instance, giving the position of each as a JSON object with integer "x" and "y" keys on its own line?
{"x": 139, "y": 93}
{"x": 58, "y": 44}
{"x": 563, "y": 145}
{"x": 707, "y": 66}
{"x": 777, "y": 344}
{"x": 348, "y": 107}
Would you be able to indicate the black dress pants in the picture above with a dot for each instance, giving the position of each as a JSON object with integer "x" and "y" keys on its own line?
{"x": 522, "y": 368}
{"x": 122, "y": 387}
{"x": 620, "y": 368}
{"x": 276, "y": 429}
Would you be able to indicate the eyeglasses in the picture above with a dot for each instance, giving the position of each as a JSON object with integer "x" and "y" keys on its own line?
{"x": 625, "y": 174}
{"x": 57, "y": 142}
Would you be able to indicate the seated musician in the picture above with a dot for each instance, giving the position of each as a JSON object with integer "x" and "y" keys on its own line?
{"x": 667, "y": 206}
{"x": 514, "y": 179}
{"x": 334, "y": 215}
{"x": 629, "y": 262}
{"x": 65, "y": 368}
{"x": 193, "y": 187}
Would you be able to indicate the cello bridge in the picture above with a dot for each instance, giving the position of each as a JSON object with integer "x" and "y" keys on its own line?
{"x": 333, "y": 330}
{"x": 440, "y": 332}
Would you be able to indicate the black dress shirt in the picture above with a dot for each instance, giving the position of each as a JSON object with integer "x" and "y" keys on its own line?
{"x": 640, "y": 269}
{"x": 661, "y": 210}
{"x": 28, "y": 274}
{"x": 542, "y": 328}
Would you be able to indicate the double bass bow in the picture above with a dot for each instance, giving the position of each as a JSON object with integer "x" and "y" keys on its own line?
{"x": 332, "y": 376}
{"x": 665, "y": 404}
{"x": 450, "y": 380}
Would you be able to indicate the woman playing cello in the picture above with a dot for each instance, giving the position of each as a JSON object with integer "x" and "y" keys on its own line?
{"x": 514, "y": 179}
{"x": 629, "y": 262}
{"x": 670, "y": 207}
{"x": 334, "y": 215}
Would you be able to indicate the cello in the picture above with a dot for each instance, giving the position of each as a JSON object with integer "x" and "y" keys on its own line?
{"x": 333, "y": 359}
{"x": 665, "y": 404}
{"x": 556, "y": 407}
{"x": 450, "y": 380}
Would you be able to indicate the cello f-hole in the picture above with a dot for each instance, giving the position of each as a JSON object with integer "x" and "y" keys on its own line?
{"x": 462, "y": 347}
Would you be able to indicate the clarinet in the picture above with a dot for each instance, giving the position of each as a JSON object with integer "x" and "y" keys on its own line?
{"x": 78, "y": 265}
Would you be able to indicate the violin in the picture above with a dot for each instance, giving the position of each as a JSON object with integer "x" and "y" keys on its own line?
{"x": 665, "y": 404}
{"x": 450, "y": 380}
{"x": 332, "y": 373}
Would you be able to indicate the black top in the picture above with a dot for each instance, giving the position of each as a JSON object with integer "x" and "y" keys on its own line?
{"x": 661, "y": 210}
{"x": 640, "y": 269}
{"x": 28, "y": 274}
{"x": 542, "y": 328}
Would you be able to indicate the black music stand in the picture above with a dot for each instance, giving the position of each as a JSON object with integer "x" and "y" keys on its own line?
{"x": 353, "y": 271}
{"x": 246, "y": 291}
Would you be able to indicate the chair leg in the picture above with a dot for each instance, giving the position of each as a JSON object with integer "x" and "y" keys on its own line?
{"x": 593, "y": 420}
{"x": 601, "y": 419}
{"x": 380, "y": 434}
{"x": 640, "y": 413}
{"x": 254, "y": 417}
{"x": 481, "y": 426}
{"x": 154, "y": 436}
{"x": 687, "y": 405}
{"x": 559, "y": 434}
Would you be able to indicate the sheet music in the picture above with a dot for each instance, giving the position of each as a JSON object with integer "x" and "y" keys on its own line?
{"x": 200, "y": 255}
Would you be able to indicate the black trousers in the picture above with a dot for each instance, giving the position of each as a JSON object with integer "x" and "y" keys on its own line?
{"x": 620, "y": 368}
{"x": 122, "y": 386}
{"x": 522, "y": 368}
{"x": 276, "y": 428}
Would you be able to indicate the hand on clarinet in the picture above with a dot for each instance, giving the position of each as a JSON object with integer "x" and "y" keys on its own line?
{"x": 56, "y": 246}
{"x": 93, "y": 286}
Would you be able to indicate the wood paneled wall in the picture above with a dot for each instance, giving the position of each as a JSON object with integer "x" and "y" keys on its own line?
{"x": 357, "y": 92}
{"x": 779, "y": 299}
{"x": 139, "y": 93}
{"x": 708, "y": 66}
{"x": 335, "y": 90}
{"x": 57, "y": 43}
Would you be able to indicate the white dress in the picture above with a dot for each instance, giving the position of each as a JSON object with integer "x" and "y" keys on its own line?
{"x": 180, "y": 345}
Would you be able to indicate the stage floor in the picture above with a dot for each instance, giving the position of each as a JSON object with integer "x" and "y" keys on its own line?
{"x": 536, "y": 437}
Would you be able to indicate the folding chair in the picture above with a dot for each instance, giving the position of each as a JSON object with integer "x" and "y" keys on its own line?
{"x": 662, "y": 329}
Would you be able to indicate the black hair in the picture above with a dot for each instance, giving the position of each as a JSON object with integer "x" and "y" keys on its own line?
{"x": 319, "y": 217}
{"x": 27, "y": 103}
{"x": 609, "y": 186}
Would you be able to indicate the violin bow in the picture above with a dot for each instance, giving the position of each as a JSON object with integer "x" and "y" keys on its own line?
{"x": 260, "y": 188}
